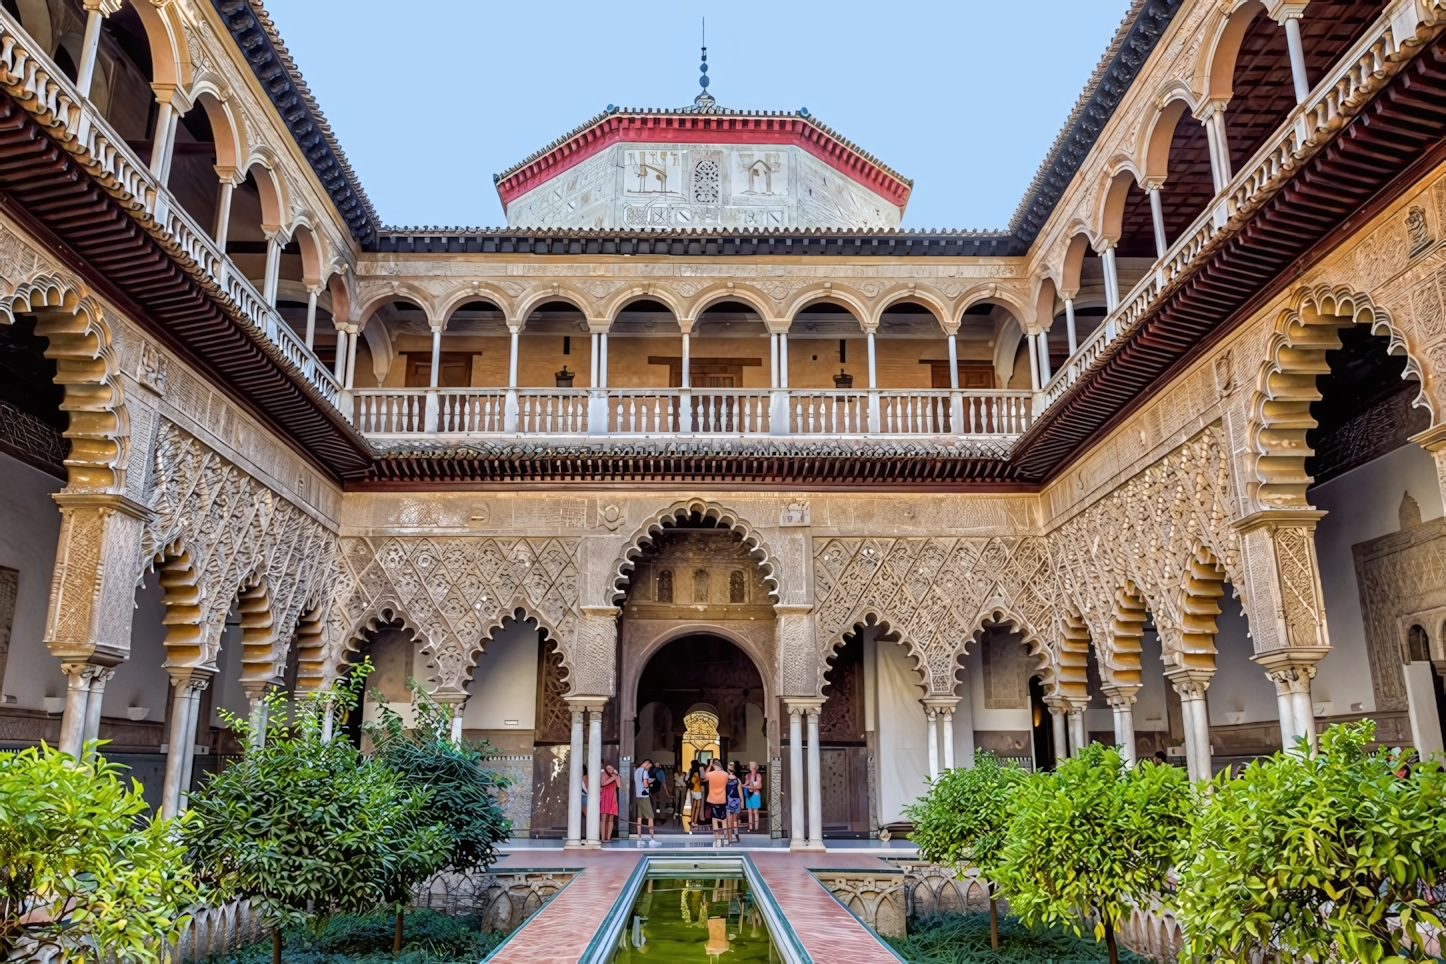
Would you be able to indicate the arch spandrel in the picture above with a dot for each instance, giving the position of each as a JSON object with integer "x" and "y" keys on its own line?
{"x": 775, "y": 576}
{"x": 456, "y": 592}
{"x": 936, "y": 594}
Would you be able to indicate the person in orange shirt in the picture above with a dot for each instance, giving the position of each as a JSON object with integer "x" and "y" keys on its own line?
{"x": 717, "y": 797}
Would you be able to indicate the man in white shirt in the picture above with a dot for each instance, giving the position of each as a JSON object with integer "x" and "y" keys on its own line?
{"x": 642, "y": 779}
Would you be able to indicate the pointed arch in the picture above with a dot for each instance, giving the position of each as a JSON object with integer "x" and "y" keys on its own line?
{"x": 80, "y": 342}
{"x": 668, "y": 518}
{"x": 1286, "y": 385}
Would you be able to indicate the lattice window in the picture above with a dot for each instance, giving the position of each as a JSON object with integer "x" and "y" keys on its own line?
{"x": 665, "y": 586}
{"x": 737, "y": 592}
{"x": 706, "y": 182}
{"x": 700, "y": 586}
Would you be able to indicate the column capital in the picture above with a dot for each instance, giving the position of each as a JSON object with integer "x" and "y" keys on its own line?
{"x": 941, "y": 704}
{"x": 1275, "y": 518}
{"x": 103, "y": 502}
{"x": 103, "y": 7}
{"x": 1291, "y": 669}
{"x": 580, "y": 704}
{"x": 1190, "y": 684}
{"x": 1120, "y": 697}
{"x": 1433, "y": 439}
{"x": 803, "y": 705}
{"x": 89, "y": 673}
{"x": 1210, "y": 108}
{"x": 1104, "y": 244}
{"x": 1282, "y": 10}
{"x": 1153, "y": 184}
{"x": 188, "y": 679}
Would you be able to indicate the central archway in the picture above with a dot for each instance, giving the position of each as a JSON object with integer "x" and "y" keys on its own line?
{"x": 696, "y": 675}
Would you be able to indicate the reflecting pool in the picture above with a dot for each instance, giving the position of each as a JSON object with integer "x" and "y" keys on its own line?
{"x": 705, "y": 919}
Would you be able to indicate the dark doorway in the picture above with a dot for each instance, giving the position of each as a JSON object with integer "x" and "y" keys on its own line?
{"x": 1042, "y": 725}
{"x": 708, "y": 672}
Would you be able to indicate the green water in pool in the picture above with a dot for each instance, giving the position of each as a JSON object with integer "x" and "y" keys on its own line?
{"x": 695, "y": 919}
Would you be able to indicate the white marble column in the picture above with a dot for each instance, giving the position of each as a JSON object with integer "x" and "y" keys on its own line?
{"x": 351, "y": 357}
{"x": 797, "y": 838}
{"x": 1122, "y": 702}
{"x": 270, "y": 277}
{"x": 946, "y": 720}
{"x": 1292, "y": 674}
{"x": 1033, "y": 362}
{"x": 75, "y": 723}
{"x": 1112, "y": 276}
{"x": 1213, "y": 117}
{"x": 1060, "y": 729}
{"x": 815, "y": 783}
{"x": 339, "y": 365}
{"x": 1289, "y": 16}
{"x": 1157, "y": 217}
{"x": 223, "y": 209}
{"x": 932, "y": 722}
{"x": 953, "y": 362}
{"x": 1078, "y": 738}
{"x": 436, "y": 375}
{"x": 594, "y": 775}
{"x": 163, "y": 139}
{"x": 1045, "y": 373}
{"x": 187, "y": 685}
{"x": 1191, "y": 686}
{"x": 1069, "y": 328}
{"x": 312, "y": 293}
{"x": 89, "y": 47}
{"x": 574, "y": 779}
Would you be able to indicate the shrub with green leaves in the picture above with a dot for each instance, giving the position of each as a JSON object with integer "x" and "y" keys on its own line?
{"x": 306, "y": 828}
{"x": 461, "y": 793}
{"x": 81, "y": 866}
{"x": 961, "y": 821}
{"x": 1326, "y": 857}
{"x": 1092, "y": 839}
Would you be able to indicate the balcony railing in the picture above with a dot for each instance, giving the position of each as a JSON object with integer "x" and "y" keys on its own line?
{"x": 29, "y": 75}
{"x": 403, "y": 412}
{"x": 1338, "y": 95}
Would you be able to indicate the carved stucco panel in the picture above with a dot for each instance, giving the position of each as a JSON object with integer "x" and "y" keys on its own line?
{"x": 454, "y": 592}
{"x": 234, "y": 527}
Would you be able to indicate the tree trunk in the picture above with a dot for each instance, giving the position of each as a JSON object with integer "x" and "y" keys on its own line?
{"x": 1110, "y": 942}
{"x": 397, "y": 937}
{"x": 993, "y": 922}
{"x": 276, "y": 945}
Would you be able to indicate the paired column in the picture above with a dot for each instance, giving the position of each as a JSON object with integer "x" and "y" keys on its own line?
{"x": 940, "y": 715}
{"x": 1078, "y": 738}
{"x": 1191, "y": 685}
{"x": 778, "y": 414}
{"x": 1059, "y": 728}
{"x": 1291, "y": 672}
{"x": 1287, "y": 616}
{"x": 597, "y": 396}
{"x": 84, "y": 691}
{"x": 586, "y": 718}
{"x": 187, "y": 684}
{"x": 1122, "y": 702}
{"x": 163, "y": 139}
{"x": 805, "y": 784}
{"x": 92, "y": 597}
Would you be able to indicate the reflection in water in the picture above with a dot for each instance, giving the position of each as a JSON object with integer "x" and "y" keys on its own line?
{"x": 711, "y": 919}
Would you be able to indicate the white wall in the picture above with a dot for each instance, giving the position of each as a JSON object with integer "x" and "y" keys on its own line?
{"x": 1362, "y": 504}
{"x": 1151, "y": 710}
{"x": 1239, "y": 692}
{"x": 504, "y": 683}
{"x": 227, "y": 693}
{"x": 903, "y": 748}
{"x": 141, "y": 680}
{"x": 986, "y": 719}
{"x": 29, "y": 531}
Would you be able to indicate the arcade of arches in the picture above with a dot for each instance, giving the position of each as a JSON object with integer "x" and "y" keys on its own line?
{"x": 249, "y": 435}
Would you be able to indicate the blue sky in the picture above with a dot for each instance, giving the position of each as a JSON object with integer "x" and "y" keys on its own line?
{"x": 430, "y": 98}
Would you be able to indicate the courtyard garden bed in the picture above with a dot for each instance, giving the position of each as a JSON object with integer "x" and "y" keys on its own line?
{"x": 964, "y": 939}
{"x": 428, "y": 938}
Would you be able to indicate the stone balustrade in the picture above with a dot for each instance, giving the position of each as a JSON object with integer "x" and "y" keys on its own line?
{"x": 1302, "y": 133}
{"x": 29, "y": 76}
{"x": 409, "y": 412}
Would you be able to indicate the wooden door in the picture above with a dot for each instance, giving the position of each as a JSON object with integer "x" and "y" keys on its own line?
{"x": 456, "y": 369}
{"x": 844, "y": 774}
{"x": 972, "y": 374}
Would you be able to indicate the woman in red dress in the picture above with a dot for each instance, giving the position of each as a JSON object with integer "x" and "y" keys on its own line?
{"x": 608, "y": 801}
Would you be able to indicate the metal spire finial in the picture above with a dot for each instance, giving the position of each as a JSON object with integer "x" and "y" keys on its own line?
{"x": 704, "y": 100}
